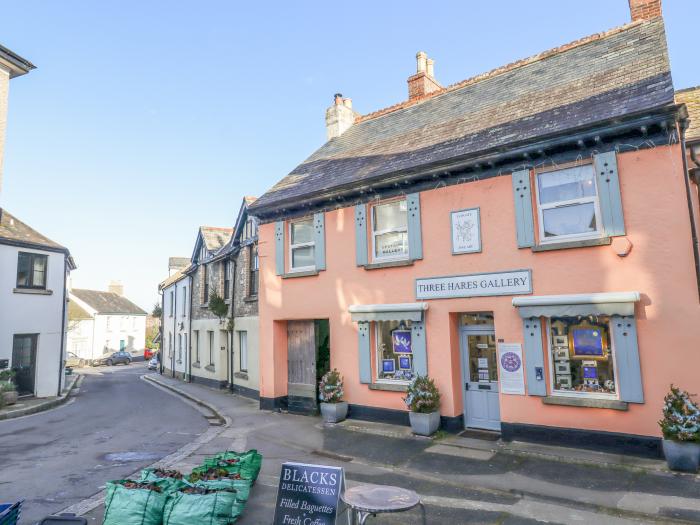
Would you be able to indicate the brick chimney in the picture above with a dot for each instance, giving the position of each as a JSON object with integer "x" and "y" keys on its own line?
{"x": 644, "y": 9}
{"x": 423, "y": 82}
{"x": 339, "y": 117}
{"x": 116, "y": 287}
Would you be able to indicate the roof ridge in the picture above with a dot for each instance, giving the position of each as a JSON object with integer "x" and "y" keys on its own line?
{"x": 216, "y": 227}
{"x": 502, "y": 69}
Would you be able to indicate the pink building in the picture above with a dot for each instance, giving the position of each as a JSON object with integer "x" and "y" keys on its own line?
{"x": 525, "y": 237}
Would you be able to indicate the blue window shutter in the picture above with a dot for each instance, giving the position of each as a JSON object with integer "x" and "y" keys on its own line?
{"x": 524, "y": 221}
{"x": 279, "y": 247}
{"x": 415, "y": 240}
{"x": 609, "y": 193}
{"x": 361, "y": 234}
{"x": 534, "y": 356}
{"x": 364, "y": 352}
{"x": 629, "y": 374}
{"x": 420, "y": 354}
{"x": 320, "y": 241}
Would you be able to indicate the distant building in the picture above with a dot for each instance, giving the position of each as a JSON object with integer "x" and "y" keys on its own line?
{"x": 101, "y": 323}
{"x": 175, "y": 326}
{"x": 176, "y": 264}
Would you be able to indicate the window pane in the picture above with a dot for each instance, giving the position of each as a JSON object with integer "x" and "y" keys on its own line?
{"x": 391, "y": 245}
{"x": 390, "y": 216}
{"x": 582, "y": 355}
{"x": 39, "y": 277}
{"x": 394, "y": 351}
{"x": 303, "y": 257}
{"x": 243, "y": 336}
{"x": 568, "y": 220}
{"x": 302, "y": 232}
{"x": 567, "y": 184}
{"x": 23, "y": 269}
{"x": 482, "y": 359}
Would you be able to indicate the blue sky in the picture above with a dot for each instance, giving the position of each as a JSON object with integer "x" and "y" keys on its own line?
{"x": 144, "y": 120}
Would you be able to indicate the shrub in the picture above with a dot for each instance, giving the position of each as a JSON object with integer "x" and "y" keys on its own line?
{"x": 7, "y": 386}
{"x": 330, "y": 389}
{"x": 6, "y": 375}
{"x": 681, "y": 421}
{"x": 423, "y": 396}
{"x": 218, "y": 305}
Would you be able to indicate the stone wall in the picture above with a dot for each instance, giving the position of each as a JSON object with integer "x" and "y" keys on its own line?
{"x": 200, "y": 308}
{"x": 245, "y": 304}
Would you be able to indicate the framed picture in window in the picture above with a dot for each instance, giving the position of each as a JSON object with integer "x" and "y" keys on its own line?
{"x": 587, "y": 341}
{"x": 404, "y": 362}
{"x": 388, "y": 366}
{"x": 401, "y": 341}
{"x": 466, "y": 231}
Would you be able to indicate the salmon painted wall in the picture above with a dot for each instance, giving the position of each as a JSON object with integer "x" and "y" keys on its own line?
{"x": 660, "y": 266}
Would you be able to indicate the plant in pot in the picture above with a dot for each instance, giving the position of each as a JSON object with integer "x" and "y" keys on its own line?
{"x": 8, "y": 391}
{"x": 681, "y": 430}
{"x": 423, "y": 402}
{"x": 330, "y": 393}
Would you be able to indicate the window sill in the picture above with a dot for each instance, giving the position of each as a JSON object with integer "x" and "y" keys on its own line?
{"x": 305, "y": 273}
{"x": 387, "y": 264}
{"x": 588, "y": 402}
{"x": 250, "y": 299}
{"x": 210, "y": 368}
{"x": 241, "y": 375}
{"x": 196, "y": 365}
{"x": 388, "y": 387}
{"x": 566, "y": 245}
{"x": 33, "y": 291}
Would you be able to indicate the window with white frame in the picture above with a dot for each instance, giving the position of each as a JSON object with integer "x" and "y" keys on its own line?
{"x": 567, "y": 204}
{"x": 582, "y": 357}
{"x": 301, "y": 245}
{"x": 210, "y": 334}
{"x": 394, "y": 351}
{"x": 172, "y": 302}
{"x": 390, "y": 231}
{"x": 196, "y": 346}
{"x": 179, "y": 348}
{"x": 184, "y": 302}
{"x": 243, "y": 350}
{"x": 109, "y": 324}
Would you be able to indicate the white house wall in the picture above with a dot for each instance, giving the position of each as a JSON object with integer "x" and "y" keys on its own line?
{"x": 111, "y": 329}
{"x": 80, "y": 338}
{"x": 34, "y": 313}
{"x": 247, "y": 379}
{"x": 176, "y": 324}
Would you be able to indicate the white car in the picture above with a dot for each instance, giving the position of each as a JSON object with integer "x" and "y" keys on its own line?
{"x": 153, "y": 363}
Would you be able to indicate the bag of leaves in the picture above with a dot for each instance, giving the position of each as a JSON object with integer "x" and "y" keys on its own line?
{"x": 195, "y": 505}
{"x": 167, "y": 480}
{"x": 134, "y": 503}
{"x": 247, "y": 463}
{"x": 221, "y": 478}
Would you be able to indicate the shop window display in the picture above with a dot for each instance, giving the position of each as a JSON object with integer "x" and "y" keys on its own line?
{"x": 582, "y": 355}
{"x": 394, "y": 351}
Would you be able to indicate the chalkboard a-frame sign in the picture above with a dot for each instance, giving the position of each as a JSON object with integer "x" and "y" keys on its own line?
{"x": 308, "y": 494}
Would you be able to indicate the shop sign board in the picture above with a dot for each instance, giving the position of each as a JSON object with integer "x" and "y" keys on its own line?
{"x": 513, "y": 282}
{"x": 466, "y": 231}
{"x": 308, "y": 494}
{"x": 511, "y": 377}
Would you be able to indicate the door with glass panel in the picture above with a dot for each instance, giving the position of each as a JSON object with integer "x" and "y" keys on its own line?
{"x": 24, "y": 362}
{"x": 480, "y": 374}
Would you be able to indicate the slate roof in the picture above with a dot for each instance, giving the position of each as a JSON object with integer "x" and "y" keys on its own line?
{"x": 691, "y": 98}
{"x": 215, "y": 238}
{"x": 17, "y": 232}
{"x": 107, "y": 302}
{"x": 175, "y": 277}
{"x": 620, "y": 72}
{"x": 76, "y": 313}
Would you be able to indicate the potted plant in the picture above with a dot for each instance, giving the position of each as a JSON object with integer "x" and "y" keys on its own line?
{"x": 330, "y": 392}
{"x": 423, "y": 401}
{"x": 681, "y": 430}
{"x": 8, "y": 391}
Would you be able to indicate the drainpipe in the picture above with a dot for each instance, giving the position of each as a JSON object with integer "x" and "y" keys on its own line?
{"x": 172, "y": 359}
{"x": 160, "y": 331}
{"x": 63, "y": 325}
{"x": 683, "y": 125}
{"x": 189, "y": 334}
{"x": 233, "y": 316}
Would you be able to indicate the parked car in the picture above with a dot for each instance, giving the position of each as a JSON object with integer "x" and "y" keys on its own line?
{"x": 149, "y": 352}
{"x": 153, "y": 363}
{"x": 73, "y": 361}
{"x": 114, "y": 359}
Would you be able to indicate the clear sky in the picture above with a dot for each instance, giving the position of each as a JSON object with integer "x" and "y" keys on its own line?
{"x": 144, "y": 120}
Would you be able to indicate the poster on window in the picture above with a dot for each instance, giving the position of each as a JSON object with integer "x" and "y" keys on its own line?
{"x": 511, "y": 377}
{"x": 401, "y": 341}
{"x": 588, "y": 342}
{"x": 466, "y": 231}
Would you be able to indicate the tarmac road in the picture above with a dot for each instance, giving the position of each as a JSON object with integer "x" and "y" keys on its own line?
{"x": 115, "y": 425}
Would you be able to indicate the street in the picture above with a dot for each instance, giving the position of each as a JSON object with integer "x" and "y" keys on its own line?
{"x": 115, "y": 425}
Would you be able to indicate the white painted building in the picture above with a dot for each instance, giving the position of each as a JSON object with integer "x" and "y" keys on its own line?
{"x": 175, "y": 345}
{"x": 101, "y": 323}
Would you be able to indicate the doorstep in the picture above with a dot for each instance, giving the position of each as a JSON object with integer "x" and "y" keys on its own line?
{"x": 378, "y": 429}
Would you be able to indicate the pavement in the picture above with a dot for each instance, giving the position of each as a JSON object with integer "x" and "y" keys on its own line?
{"x": 33, "y": 405}
{"x": 113, "y": 424}
{"x": 460, "y": 480}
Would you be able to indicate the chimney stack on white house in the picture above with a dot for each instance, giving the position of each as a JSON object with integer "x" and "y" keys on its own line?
{"x": 116, "y": 287}
{"x": 339, "y": 117}
{"x": 423, "y": 82}
{"x": 644, "y": 9}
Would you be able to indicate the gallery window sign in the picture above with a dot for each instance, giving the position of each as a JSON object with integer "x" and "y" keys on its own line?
{"x": 466, "y": 231}
{"x": 513, "y": 282}
{"x": 401, "y": 341}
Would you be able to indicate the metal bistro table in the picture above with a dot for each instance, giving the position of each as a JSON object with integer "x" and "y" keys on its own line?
{"x": 369, "y": 500}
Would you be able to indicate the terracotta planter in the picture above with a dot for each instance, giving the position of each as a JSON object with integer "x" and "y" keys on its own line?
{"x": 682, "y": 456}
{"x": 9, "y": 398}
{"x": 424, "y": 424}
{"x": 334, "y": 412}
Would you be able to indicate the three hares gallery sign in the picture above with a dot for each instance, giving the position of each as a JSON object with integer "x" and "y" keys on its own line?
{"x": 514, "y": 282}
{"x": 308, "y": 494}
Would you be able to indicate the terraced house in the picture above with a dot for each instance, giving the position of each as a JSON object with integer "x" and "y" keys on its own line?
{"x": 526, "y": 237}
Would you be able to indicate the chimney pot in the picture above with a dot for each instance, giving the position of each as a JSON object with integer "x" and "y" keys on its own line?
{"x": 423, "y": 82}
{"x": 116, "y": 287}
{"x": 431, "y": 67}
{"x": 421, "y": 62}
{"x": 644, "y": 9}
{"x": 339, "y": 117}
{"x": 347, "y": 102}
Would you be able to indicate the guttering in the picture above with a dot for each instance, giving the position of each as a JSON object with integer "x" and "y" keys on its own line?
{"x": 683, "y": 125}
{"x": 18, "y": 66}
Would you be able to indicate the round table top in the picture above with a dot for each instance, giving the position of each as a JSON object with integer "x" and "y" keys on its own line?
{"x": 380, "y": 498}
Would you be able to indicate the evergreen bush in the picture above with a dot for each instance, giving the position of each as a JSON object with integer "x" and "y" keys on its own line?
{"x": 423, "y": 396}
{"x": 681, "y": 421}
{"x": 330, "y": 389}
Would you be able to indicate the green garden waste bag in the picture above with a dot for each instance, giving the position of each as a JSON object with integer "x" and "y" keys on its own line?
{"x": 247, "y": 463}
{"x": 167, "y": 483}
{"x": 241, "y": 486}
{"x": 216, "y": 508}
{"x": 135, "y": 506}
